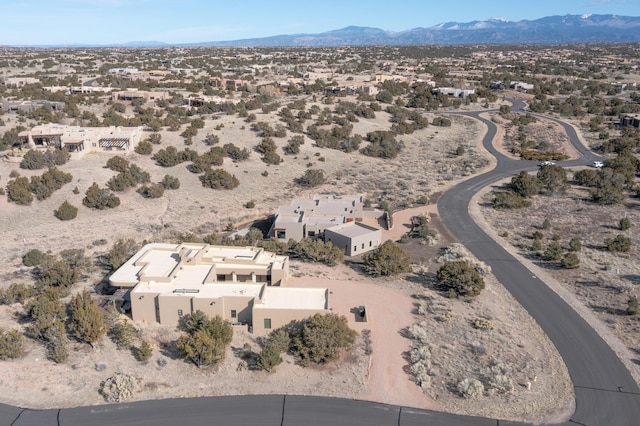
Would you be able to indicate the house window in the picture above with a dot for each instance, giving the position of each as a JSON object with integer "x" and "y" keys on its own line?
{"x": 369, "y": 243}
{"x": 234, "y": 314}
{"x": 362, "y": 246}
{"x": 311, "y": 233}
{"x": 281, "y": 235}
{"x": 179, "y": 312}
{"x": 355, "y": 248}
{"x": 267, "y": 323}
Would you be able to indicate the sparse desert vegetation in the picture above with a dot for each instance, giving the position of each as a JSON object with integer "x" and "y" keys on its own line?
{"x": 231, "y": 137}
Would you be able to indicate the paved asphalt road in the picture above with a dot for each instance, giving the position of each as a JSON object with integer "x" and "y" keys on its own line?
{"x": 606, "y": 394}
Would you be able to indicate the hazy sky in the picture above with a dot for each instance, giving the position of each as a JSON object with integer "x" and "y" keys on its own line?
{"x": 28, "y": 22}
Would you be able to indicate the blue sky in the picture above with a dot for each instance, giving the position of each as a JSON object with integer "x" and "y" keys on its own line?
{"x": 29, "y": 22}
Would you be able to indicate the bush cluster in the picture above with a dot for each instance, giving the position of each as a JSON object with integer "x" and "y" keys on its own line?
{"x": 382, "y": 144}
{"x": 22, "y": 191}
{"x": 100, "y": 199}
{"x": 207, "y": 339}
{"x": 36, "y": 159}
{"x": 388, "y": 259}
{"x": 219, "y": 179}
{"x": 460, "y": 277}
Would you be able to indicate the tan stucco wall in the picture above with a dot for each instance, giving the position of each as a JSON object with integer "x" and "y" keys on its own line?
{"x": 143, "y": 307}
{"x": 280, "y": 317}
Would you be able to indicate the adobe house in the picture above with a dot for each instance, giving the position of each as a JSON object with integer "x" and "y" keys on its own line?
{"x": 242, "y": 285}
{"x": 81, "y": 140}
{"x": 313, "y": 218}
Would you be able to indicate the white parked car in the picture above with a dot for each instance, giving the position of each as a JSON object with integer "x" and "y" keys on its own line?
{"x": 547, "y": 163}
{"x": 598, "y": 164}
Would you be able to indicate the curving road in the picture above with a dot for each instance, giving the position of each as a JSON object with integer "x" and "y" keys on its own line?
{"x": 606, "y": 394}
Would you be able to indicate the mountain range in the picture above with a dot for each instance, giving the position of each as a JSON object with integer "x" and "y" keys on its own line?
{"x": 548, "y": 30}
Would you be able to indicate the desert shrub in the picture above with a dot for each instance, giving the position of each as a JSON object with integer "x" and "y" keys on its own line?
{"x": 170, "y": 182}
{"x": 482, "y": 324}
{"x": 271, "y": 157}
{"x": 155, "y": 138}
{"x": 266, "y": 145}
{"x": 524, "y": 184}
{"x": 317, "y": 251}
{"x": 170, "y": 156}
{"x": 441, "y": 122}
{"x": 11, "y": 344}
{"x": 96, "y": 198}
{"x": 57, "y": 274}
{"x": 293, "y": 145}
{"x": 320, "y": 338}
{"x": 206, "y": 344}
{"x": 85, "y": 319}
{"x": 122, "y": 333}
{"x": 546, "y": 224}
{"x": 33, "y": 160}
{"x": 269, "y": 357}
{"x": 312, "y": 178}
{"x": 219, "y": 179}
{"x": 16, "y": 293}
{"x": 552, "y": 180}
{"x": 281, "y": 340}
{"x": 144, "y": 148}
{"x": 587, "y": 177}
{"x": 606, "y": 195}
{"x": 620, "y": 243}
{"x": 151, "y": 191}
{"x": 624, "y": 224}
{"x": 632, "y": 305}
{"x": 118, "y": 164}
{"x": 144, "y": 352}
{"x": 388, "y": 259}
{"x": 382, "y": 144}
{"x": 553, "y": 251}
{"x": 120, "y": 252}
{"x": 45, "y": 312}
{"x": 50, "y": 181}
{"x": 575, "y": 244}
{"x": 460, "y": 150}
{"x": 34, "y": 257}
{"x": 57, "y": 343}
{"x": 211, "y": 139}
{"x": 461, "y": 277}
{"x": 235, "y": 153}
{"x": 19, "y": 191}
{"x": 250, "y": 204}
{"x": 66, "y": 211}
{"x": 570, "y": 260}
{"x": 510, "y": 200}
{"x": 471, "y": 388}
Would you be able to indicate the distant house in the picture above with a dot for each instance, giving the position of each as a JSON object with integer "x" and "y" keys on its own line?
{"x": 450, "y": 91}
{"x": 81, "y": 140}
{"x": 519, "y": 85}
{"x": 312, "y": 218}
{"x": 131, "y": 94}
{"x": 628, "y": 120}
{"x": 243, "y": 285}
{"x": 20, "y": 81}
{"x": 30, "y": 106}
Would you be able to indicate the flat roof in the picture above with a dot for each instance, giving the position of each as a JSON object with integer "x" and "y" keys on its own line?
{"x": 157, "y": 255}
{"x": 191, "y": 265}
{"x": 353, "y": 229}
{"x": 293, "y": 298}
